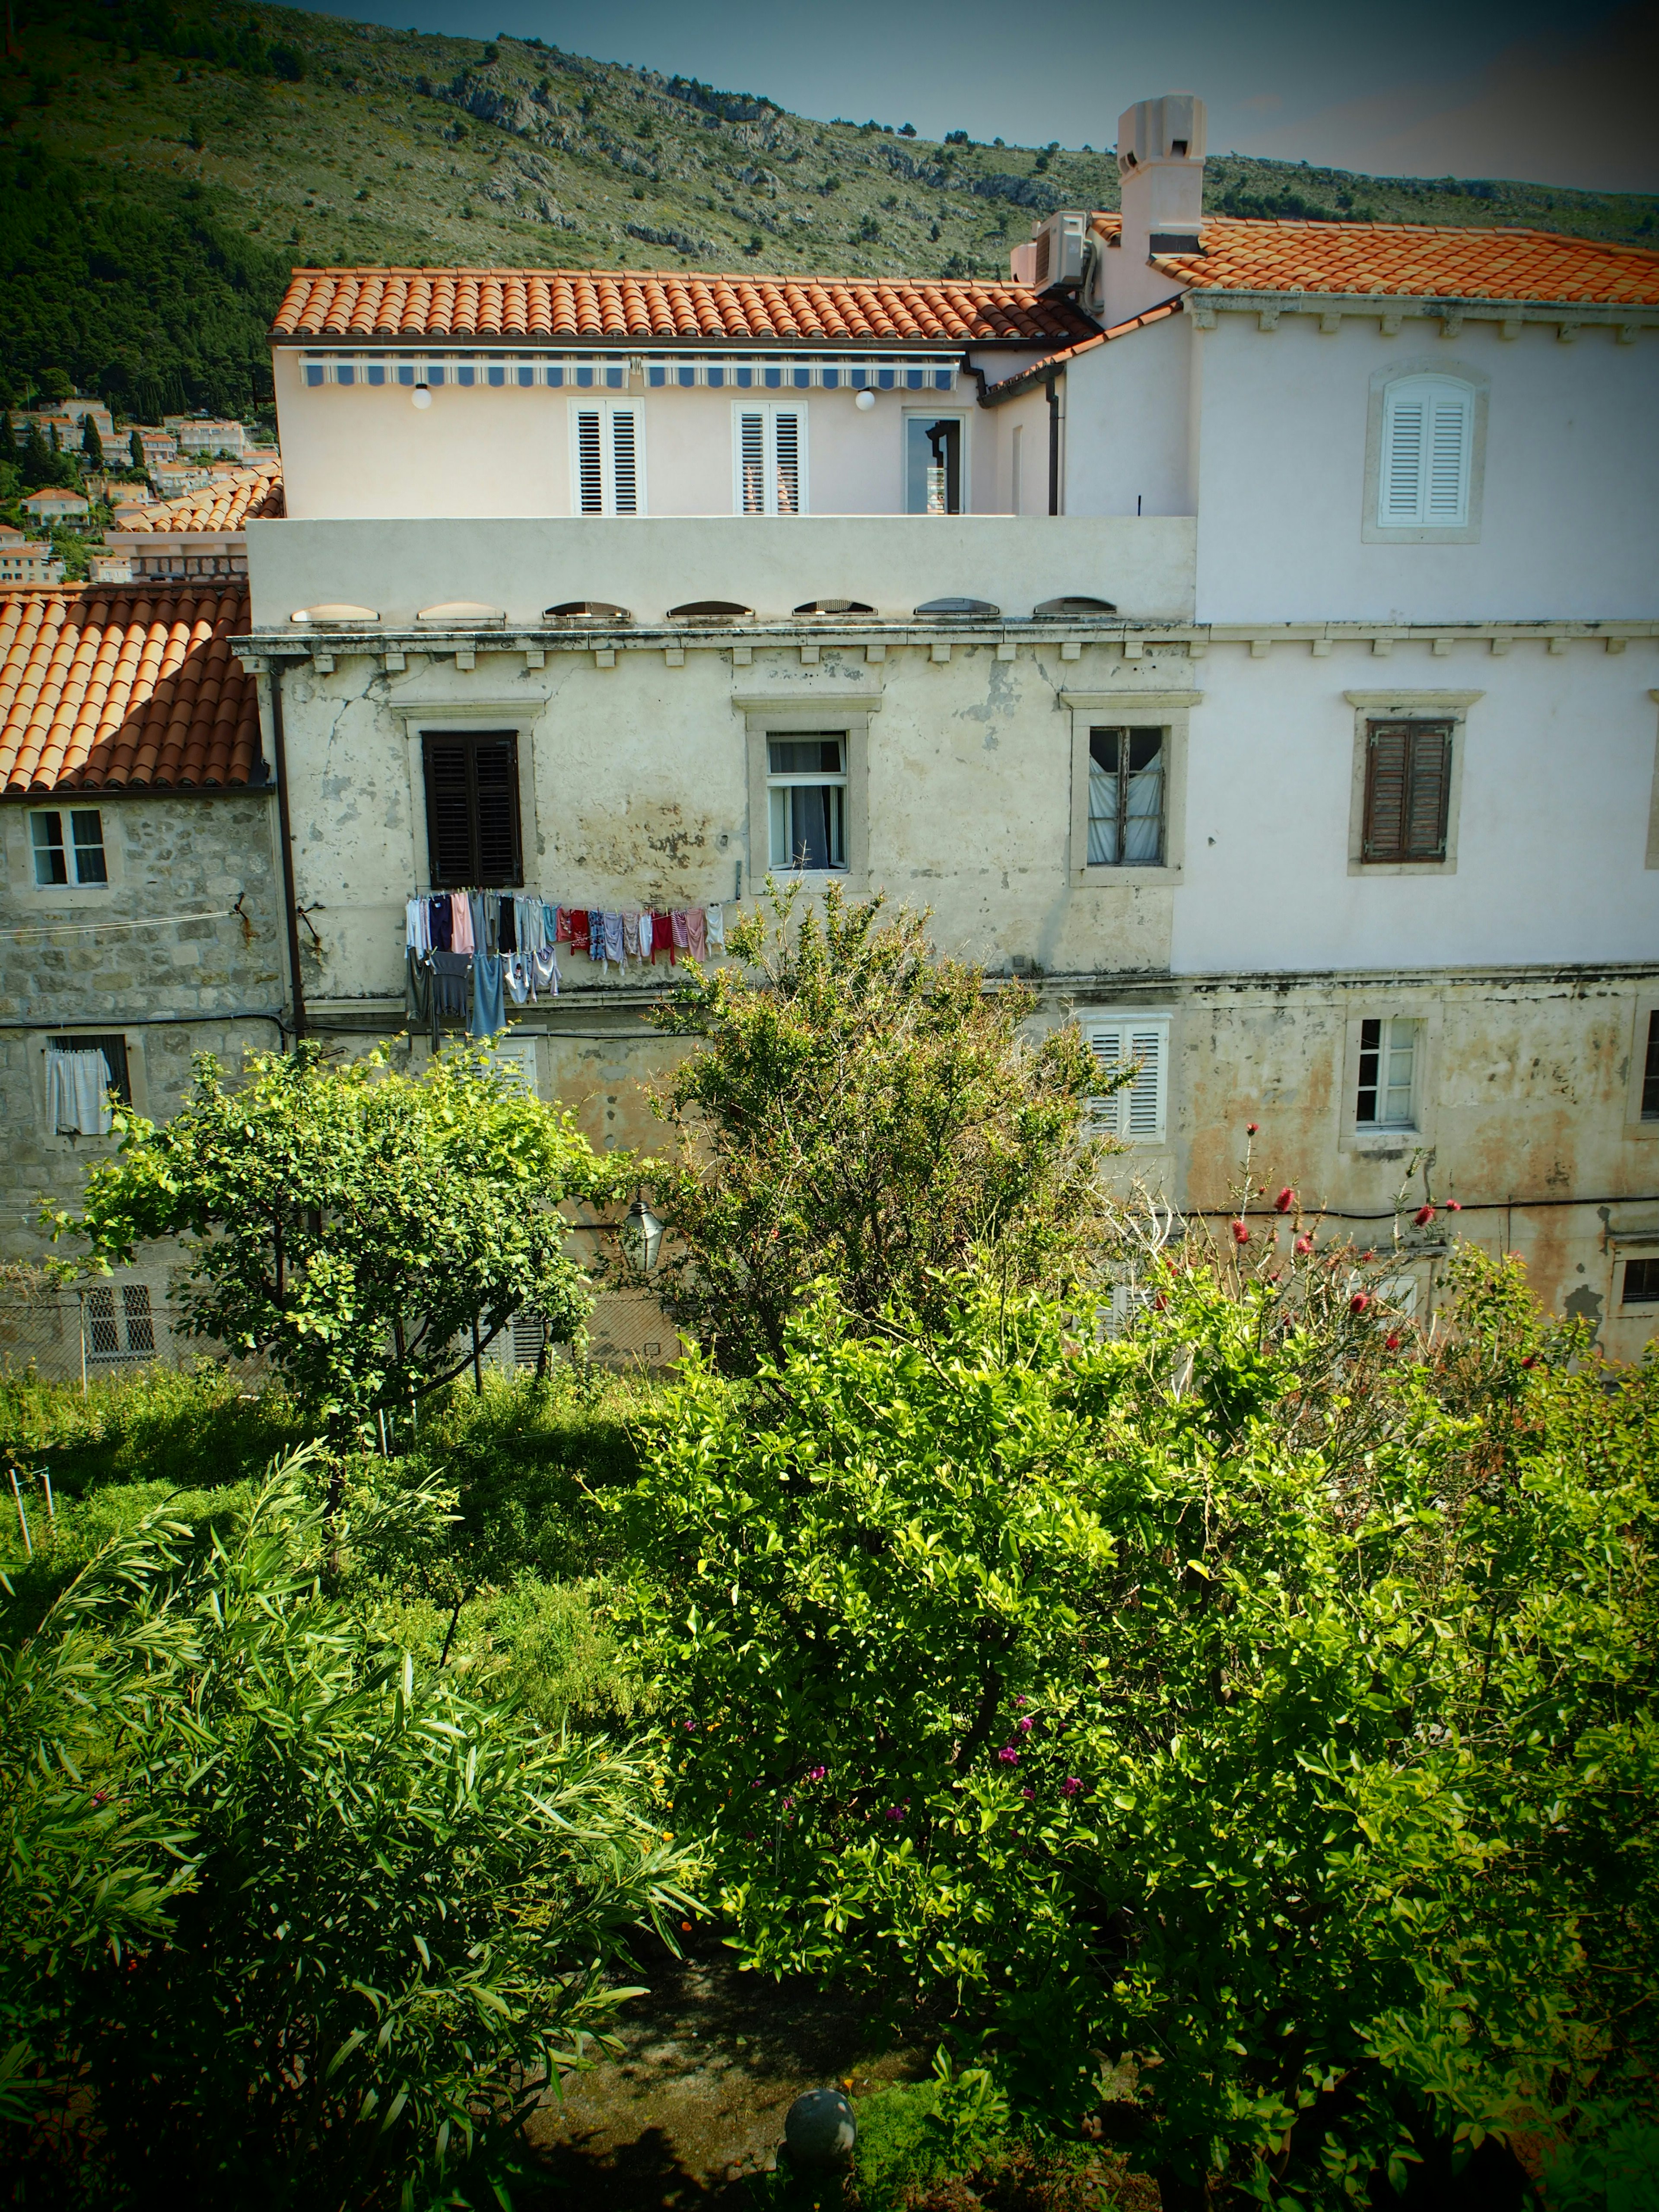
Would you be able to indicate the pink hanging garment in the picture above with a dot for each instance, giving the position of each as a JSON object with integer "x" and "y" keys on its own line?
{"x": 696, "y": 939}
{"x": 682, "y": 931}
{"x": 460, "y": 923}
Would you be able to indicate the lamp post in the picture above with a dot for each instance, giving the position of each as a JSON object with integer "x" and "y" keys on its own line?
{"x": 642, "y": 1236}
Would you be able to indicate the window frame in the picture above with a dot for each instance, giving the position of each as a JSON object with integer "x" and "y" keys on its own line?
{"x": 1169, "y": 711}
{"x": 1640, "y": 1305}
{"x": 1372, "y": 530}
{"x": 769, "y": 410}
{"x": 470, "y": 740}
{"x": 81, "y": 1038}
{"x": 1644, "y": 1026}
{"x": 1415, "y": 728}
{"x": 964, "y": 419}
{"x": 783, "y": 779}
{"x": 845, "y": 715}
{"x": 66, "y": 817}
{"x": 607, "y": 410}
{"x": 1109, "y": 1115}
{"x": 1384, "y": 1046}
{"x": 1450, "y": 708}
{"x": 1123, "y": 774}
{"x": 1383, "y": 1140}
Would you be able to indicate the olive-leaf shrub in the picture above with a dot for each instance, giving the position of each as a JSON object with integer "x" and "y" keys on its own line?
{"x": 858, "y": 1110}
{"x": 353, "y": 1224}
{"x": 284, "y": 1914}
{"x": 1258, "y": 1706}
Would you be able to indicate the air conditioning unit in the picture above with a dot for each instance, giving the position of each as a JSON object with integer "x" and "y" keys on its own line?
{"x": 1059, "y": 244}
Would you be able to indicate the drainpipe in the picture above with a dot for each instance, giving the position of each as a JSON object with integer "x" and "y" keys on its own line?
{"x": 284, "y": 832}
{"x": 1055, "y": 417}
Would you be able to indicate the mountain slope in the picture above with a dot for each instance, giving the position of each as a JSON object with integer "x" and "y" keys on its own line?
{"x": 161, "y": 169}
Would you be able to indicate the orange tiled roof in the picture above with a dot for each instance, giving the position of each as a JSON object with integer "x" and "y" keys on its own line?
{"x": 580, "y": 304}
{"x": 1023, "y": 378}
{"x": 1433, "y": 261}
{"x": 110, "y": 687}
{"x": 240, "y": 496}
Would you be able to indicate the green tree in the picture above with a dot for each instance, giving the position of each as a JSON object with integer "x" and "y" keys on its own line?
{"x": 859, "y": 1111}
{"x": 92, "y": 445}
{"x": 352, "y": 1223}
{"x": 283, "y": 1915}
{"x": 136, "y": 451}
{"x": 1247, "y": 1704}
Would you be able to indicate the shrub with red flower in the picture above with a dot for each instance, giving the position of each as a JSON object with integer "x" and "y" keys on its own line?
{"x": 1241, "y": 1234}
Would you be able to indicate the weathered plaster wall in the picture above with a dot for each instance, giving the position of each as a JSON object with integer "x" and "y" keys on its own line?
{"x": 175, "y": 987}
{"x": 1570, "y": 522}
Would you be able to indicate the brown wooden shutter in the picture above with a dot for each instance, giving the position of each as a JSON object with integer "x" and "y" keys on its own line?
{"x": 473, "y": 839}
{"x": 1407, "y": 790}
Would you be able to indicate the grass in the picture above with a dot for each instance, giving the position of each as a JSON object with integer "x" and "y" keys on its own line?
{"x": 181, "y": 189}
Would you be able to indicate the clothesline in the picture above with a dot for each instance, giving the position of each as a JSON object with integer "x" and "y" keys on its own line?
{"x": 139, "y": 921}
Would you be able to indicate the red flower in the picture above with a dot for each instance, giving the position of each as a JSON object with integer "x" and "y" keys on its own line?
{"x": 1393, "y": 1343}
{"x": 1423, "y": 1215}
{"x": 1249, "y": 1128}
{"x": 1453, "y": 1206}
{"x": 1303, "y": 1244}
{"x": 1285, "y": 1200}
{"x": 1241, "y": 1234}
{"x": 1359, "y": 1302}
{"x": 1531, "y": 1360}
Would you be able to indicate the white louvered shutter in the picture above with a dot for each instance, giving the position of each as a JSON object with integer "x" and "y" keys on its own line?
{"x": 1428, "y": 424}
{"x": 1137, "y": 1111}
{"x": 590, "y": 461}
{"x": 609, "y": 459}
{"x": 769, "y": 457}
{"x": 787, "y": 428}
{"x": 752, "y": 461}
{"x": 624, "y": 462}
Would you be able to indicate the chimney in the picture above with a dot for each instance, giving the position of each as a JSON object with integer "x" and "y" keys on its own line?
{"x": 1160, "y": 167}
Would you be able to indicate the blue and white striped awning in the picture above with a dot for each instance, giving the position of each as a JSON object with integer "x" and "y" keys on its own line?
{"x": 616, "y": 371}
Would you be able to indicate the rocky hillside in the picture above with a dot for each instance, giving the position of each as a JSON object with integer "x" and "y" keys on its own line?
{"x": 161, "y": 168}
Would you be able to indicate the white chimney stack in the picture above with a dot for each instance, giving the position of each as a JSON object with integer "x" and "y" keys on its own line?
{"x": 1160, "y": 167}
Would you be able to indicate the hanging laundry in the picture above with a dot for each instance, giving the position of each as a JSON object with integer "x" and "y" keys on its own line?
{"x": 613, "y": 939}
{"x": 461, "y": 936}
{"x": 682, "y": 922}
{"x": 550, "y": 923}
{"x": 630, "y": 923}
{"x": 717, "y": 929}
{"x": 507, "y": 935}
{"x": 417, "y": 926}
{"x": 489, "y": 1014}
{"x": 580, "y": 940}
{"x": 697, "y": 935}
{"x": 417, "y": 989}
{"x": 544, "y": 966}
{"x": 450, "y": 972}
{"x": 516, "y": 974}
{"x": 480, "y": 921}
{"x": 76, "y": 1086}
{"x": 440, "y": 923}
{"x": 645, "y": 937}
{"x": 662, "y": 936}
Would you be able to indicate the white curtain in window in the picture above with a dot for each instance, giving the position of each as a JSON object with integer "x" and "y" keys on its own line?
{"x": 1428, "y": 425}
{"x": 77, "y": 1087}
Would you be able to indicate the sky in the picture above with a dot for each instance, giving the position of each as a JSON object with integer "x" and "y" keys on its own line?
{"x": 1521, "y": 90}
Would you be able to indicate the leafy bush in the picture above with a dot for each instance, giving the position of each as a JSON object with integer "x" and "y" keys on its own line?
{"x": 859, "y": 1112}
{"x": 916, "y": 2132}
{"x": 363, "y": 1229}
{"x": 1251, "y": 1704}
{"x": 194, "y": 1430}
{"x": 285, "y": 1915}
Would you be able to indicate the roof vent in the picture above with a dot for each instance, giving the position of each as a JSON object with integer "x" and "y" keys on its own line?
{"x": 587, "y": 614}
{"x": 958, "y": 610}
{"x": 836, "y": 607}
{"x": 710, "y": 611}
{"x": 1077, "y": 607}
{"x": 337, "y": 614}
{"x": 461, "y": 614}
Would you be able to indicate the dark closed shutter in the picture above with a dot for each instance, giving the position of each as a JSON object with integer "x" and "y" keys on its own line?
{"x": 472, "y": 810}
{"x": 1407, "y": 789}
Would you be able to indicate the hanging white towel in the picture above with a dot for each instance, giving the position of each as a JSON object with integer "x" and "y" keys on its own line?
{"x": 418, "y": 928}
{"x": 75, "y": 1085}
{"x": 716, "y": 928}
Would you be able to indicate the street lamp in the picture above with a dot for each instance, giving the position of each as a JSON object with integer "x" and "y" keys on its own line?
{"x": 642, "y": 1236}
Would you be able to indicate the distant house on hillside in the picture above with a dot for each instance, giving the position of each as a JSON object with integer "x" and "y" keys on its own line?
{"x": 201, "y": 533}
{"x": 201, "y": 434}
{"x": 26, "y": 560}
{"x": 56, "y": 504}
{"x": 67, "y": 417}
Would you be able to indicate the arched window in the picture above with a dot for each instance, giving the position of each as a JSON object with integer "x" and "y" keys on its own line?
{"x": 1428, "y": 435}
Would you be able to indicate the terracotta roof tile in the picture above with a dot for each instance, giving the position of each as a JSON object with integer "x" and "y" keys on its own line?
{"x": 1023, "y": 378}
{"x": 241, "y": 495}
{"x": 1433, "y": 261}
{"x": 113, "y": 687}
{"x": 580, "y": 304}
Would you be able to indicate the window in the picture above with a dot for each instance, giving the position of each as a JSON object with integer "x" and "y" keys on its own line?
{"x": 1407, "y": 791}
{"x": 78, "y": 859}
{"x": 933, "y": 450}
{"x": 1139, "y": 1110}
{"x": 1650, "y": 1072}
{"x": 472, "y": 810}
{"x": 1641, "y": 1287}
{"x": 806, "y": 800}
{"x": 607, "y": 468}
{"x": 120, "y": 1325}
{"x": 1388, "y": 1072}
{"x": 769, "y": 456}
{"x": 1126, "y": 798}
{"x": 1428, "y": 430}
{"x": 82, "y": 1071}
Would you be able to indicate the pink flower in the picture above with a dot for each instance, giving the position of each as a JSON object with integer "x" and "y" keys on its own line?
{"x": 1249, "y": 1128}
{"x": 1359, "y": 1303}
{"x": 1070, "y": 1786}
{"x": 817, "y": 1773}
{"x": 1019, "y": 1701}
{"x": 1453, "y": 1206}
{"x": 1008, "y": 1755}
{"x": 1303, "y": 1244}
{"x": 1241, "y": 1234}
{"x": 1423, "y": 1215}
{"x": 1025, "y": 1726}
{"x": 1285, "y": 1200}
{"x": 1028, "y": 1795}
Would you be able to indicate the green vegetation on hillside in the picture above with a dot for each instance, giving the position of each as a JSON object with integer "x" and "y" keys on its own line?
{"x": 162, "y": 168}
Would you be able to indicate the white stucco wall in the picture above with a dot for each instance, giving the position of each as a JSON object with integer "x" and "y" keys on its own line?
{"x": 772, "y": 563}
{"x": 1570, "y": 524}
{"x": 1127, "y": 431}
{"x": 1557, "y": 779}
